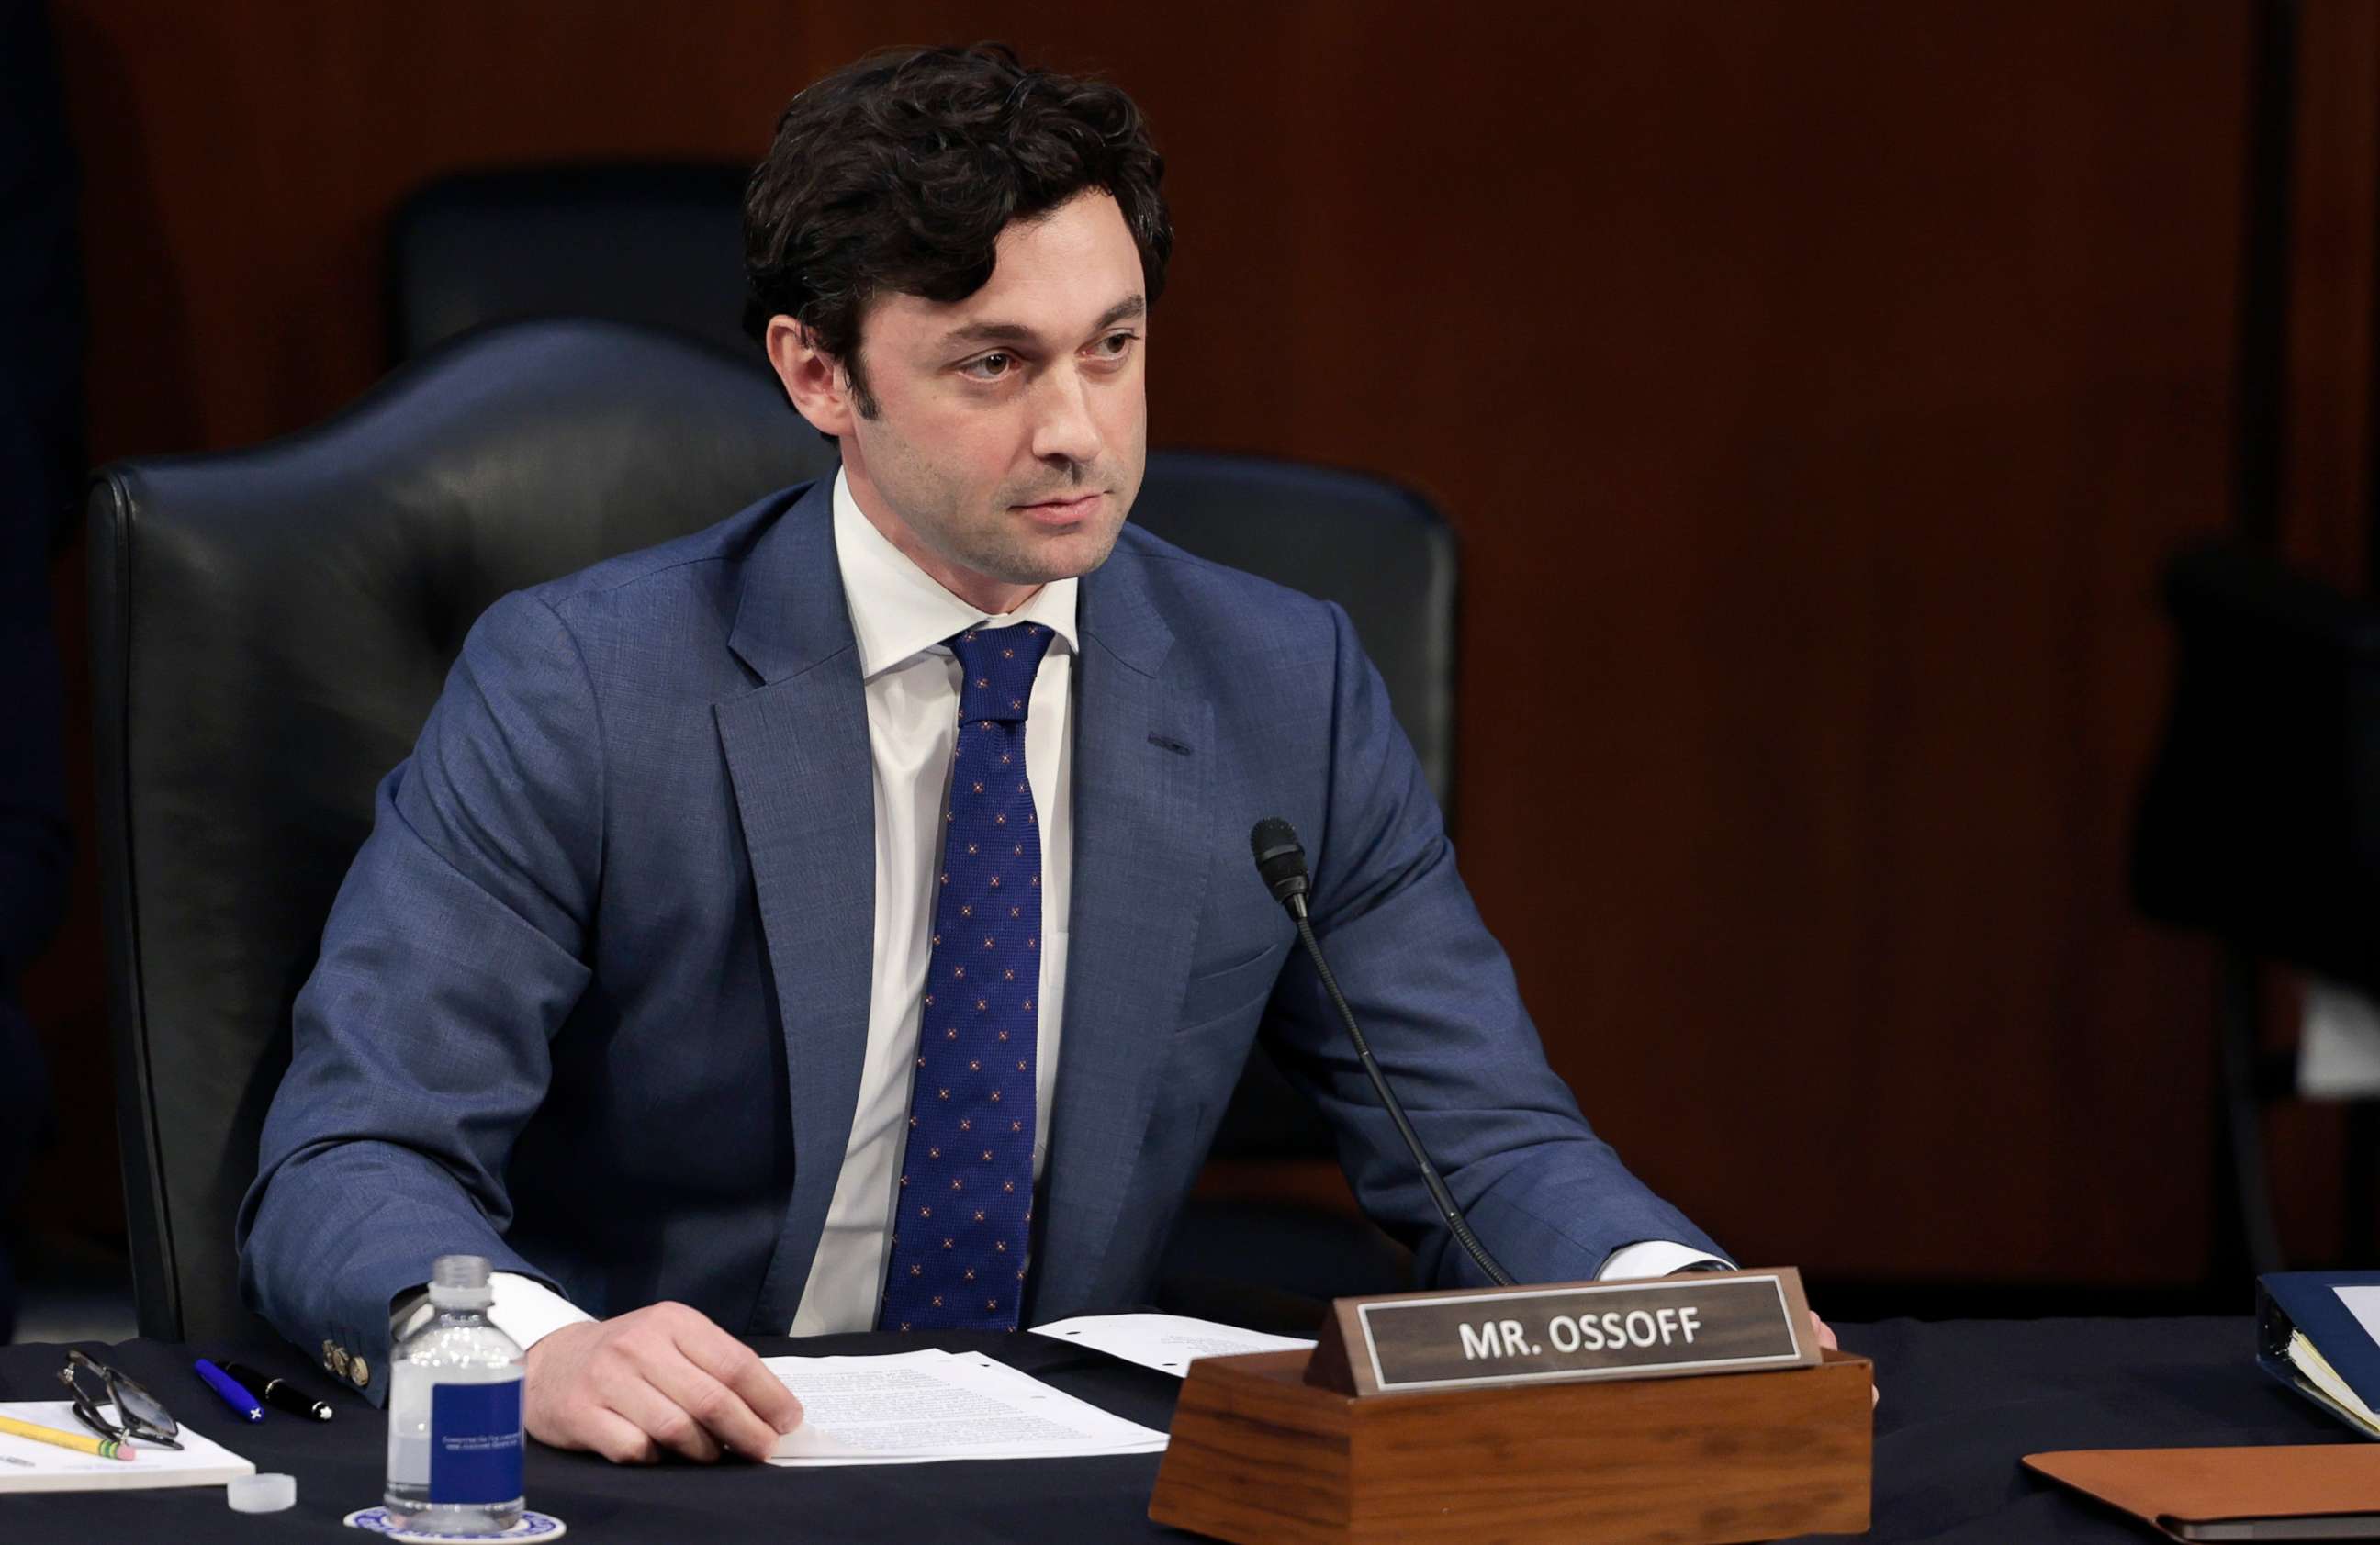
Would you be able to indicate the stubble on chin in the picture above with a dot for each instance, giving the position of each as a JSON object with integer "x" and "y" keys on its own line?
{"x": 1029, "y": 557}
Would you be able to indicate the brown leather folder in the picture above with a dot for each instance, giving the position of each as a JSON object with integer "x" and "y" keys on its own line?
{"x": 2315, "y": 1492}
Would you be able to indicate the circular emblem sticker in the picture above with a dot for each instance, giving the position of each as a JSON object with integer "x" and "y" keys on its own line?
{"x": 532, "y": 1526}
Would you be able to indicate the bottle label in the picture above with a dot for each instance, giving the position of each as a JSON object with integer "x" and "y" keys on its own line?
{"x": 475, "y": 1442}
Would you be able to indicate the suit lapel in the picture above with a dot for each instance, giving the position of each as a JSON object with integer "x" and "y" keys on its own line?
{"x": 796, "y": 750}
{"x": 1139, "y": 878}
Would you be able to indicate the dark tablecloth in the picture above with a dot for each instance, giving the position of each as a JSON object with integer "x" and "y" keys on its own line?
{"x": 1963, "y": 1401}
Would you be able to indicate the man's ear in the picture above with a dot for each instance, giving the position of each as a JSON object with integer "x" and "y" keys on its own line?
{"x": 815, "y": 380}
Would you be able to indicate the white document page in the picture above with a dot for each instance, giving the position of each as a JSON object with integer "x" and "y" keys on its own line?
{"x": 2365, "y": 1304}
{"x": 912, "y": 1407}
{"x": 1168, "y": 1342}
{"x": 28, "y": 1465}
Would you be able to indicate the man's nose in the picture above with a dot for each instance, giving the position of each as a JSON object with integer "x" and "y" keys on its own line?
{"x": 1064, "y": 429}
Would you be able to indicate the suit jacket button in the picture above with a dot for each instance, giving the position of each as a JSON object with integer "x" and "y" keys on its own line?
{"x": 362, "y": 1373}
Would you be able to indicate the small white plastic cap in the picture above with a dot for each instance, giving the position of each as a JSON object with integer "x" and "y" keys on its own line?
{"x": 460, "y": 1282}
{"x": 261, "y": 1493}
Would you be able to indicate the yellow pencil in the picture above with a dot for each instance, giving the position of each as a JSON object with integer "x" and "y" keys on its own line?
{"x": 106, "y": 1448}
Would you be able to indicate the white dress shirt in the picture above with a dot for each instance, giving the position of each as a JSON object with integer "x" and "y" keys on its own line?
{"x": 899, "y": 617}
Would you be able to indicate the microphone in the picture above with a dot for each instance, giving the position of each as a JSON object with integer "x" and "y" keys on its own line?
{"x": 1280, "y": 860}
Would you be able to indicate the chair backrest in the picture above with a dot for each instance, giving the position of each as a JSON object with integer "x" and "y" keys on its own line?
{"x": 660, "y": 245}
{"x": 271, "y": 626}
{"x": 1381, "y": 551}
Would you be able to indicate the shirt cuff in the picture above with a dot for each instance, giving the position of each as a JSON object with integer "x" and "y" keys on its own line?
{"x": 528, "y": 1310}
{"x": 1654, "y": 1258}
{"x": 525, "y": 1308}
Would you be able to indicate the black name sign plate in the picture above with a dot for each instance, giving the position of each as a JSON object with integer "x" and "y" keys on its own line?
{"x": 1702, "y": 1322}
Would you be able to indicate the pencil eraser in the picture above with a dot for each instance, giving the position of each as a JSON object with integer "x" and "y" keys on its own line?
{"x": 260, "y": 1494}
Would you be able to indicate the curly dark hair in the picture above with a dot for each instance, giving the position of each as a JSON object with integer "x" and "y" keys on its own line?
{"x": 898, "y": 172}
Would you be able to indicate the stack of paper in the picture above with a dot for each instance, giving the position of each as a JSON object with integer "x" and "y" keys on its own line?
{"x": 913, "y": 1408}
{"x": 1169, "y": 1342}
{"x": 2326, "y": 1381}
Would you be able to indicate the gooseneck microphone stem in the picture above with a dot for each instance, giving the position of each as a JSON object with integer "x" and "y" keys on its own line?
{"x": 1455, "y": 1223}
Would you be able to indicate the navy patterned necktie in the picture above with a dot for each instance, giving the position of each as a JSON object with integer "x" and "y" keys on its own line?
{"x": 964, "y": 1209}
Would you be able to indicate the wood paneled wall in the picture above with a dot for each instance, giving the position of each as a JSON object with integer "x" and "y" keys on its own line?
{"x": 1817, "y": 386}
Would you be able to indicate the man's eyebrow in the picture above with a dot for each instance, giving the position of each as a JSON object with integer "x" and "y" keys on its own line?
{"x": 1132, "y": 308}
{"x": 1129, "y": 309}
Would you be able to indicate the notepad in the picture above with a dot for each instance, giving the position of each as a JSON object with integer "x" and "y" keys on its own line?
{"x": 28, "y": 1466}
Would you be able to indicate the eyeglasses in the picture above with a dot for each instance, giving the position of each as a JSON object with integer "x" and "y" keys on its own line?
{"x": 139, "y": 1412}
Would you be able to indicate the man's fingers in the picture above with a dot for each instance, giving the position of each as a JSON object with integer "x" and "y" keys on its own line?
{"x": 662, "y": 1379}
{"x": 740, "y": 1368}
{"x": 721, "y": 1412}
{"x": 768, "y": 1397}
{"x": 664, "y": 1421}
{"x": 1827, "y": 1338}
{"x": 615, "y": 1437}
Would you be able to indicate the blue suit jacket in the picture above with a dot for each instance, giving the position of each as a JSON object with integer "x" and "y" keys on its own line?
{"x": 593, "y": 999}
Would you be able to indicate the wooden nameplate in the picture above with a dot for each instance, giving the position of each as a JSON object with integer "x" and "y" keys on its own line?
{"x": 1264, "y": 1454}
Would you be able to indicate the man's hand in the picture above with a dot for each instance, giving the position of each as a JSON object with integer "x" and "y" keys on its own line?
{"x": 661, "y": 1380}
{"x": 1827, "y": 1338}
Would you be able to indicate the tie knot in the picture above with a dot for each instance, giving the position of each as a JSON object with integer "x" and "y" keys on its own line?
{"x": 997, "y": 667}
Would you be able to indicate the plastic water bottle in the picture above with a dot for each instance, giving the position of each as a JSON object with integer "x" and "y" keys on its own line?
{"x": 455, "y": 1412}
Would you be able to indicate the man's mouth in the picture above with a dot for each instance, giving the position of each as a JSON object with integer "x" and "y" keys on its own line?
{"x": 1065, "y": 511}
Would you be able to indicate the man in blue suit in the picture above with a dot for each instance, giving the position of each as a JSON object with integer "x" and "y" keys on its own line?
{"x": 843, "y": 917}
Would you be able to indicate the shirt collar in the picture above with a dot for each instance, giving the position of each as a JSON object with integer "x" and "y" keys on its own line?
{"x": 899, "y": 612}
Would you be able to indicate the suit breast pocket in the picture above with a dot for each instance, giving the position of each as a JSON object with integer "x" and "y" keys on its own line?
{"x": 1217, "y": 994}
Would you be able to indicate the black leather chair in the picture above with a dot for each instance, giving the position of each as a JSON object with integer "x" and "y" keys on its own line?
{"x": 270, "y": 627}
{"x": 658, "y": 244}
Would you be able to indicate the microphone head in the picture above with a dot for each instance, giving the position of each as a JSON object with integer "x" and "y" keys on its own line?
{"x": 1281, "y": 858}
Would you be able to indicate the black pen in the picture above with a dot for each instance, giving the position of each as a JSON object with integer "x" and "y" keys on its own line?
{"x": 279, "y": 1394}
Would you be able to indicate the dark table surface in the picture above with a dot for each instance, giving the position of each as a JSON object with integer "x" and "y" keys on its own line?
{"x": 1963, "y": 1401}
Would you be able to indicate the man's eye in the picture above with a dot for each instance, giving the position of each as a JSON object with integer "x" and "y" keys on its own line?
{"x": 1115, "y": 345}
{"x": 991, "y": 366}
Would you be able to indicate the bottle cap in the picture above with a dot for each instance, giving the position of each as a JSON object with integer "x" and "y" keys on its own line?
{"x": 460, "y": 1282}
{"x": 260, "y": 1494}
